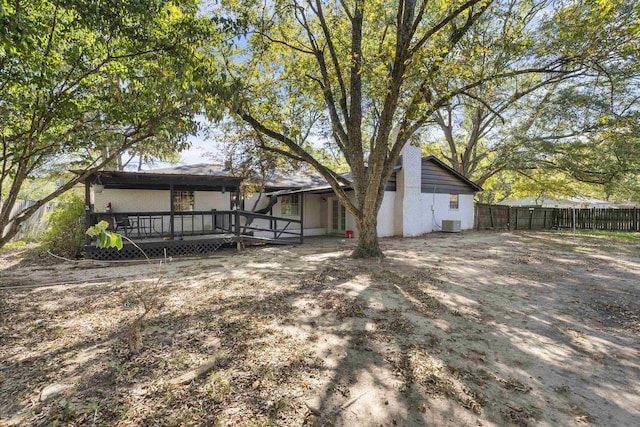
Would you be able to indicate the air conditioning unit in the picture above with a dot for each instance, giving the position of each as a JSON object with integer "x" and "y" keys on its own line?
{"x": 451, "y": 226}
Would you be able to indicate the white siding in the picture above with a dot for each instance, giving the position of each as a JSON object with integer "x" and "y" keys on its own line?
{"x": 314, "y": 211}
{"x": 406, "y": 212}
{"x": 409, "y": 194}
{"x": 155, "y": 200}
{"x": 314, "y": 206}
{"x": 132, "y": 200}
{"x": 386, "y": 215}
{"x": 350, "y": 219}
{"x": 208, "y": 200}
{"x": 435, "y": 208}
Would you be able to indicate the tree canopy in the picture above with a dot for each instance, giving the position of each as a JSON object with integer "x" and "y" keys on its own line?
{"x": 83, "y": 81}
{"x": 581, "y": 126}
{"x": 374, "y": 74}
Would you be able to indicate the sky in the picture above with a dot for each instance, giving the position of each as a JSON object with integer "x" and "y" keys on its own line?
{"x": 201, "y": 150}
{"x": 197, "y": 153}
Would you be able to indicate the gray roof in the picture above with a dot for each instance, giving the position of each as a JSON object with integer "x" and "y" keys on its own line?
{"x": 199, "y": 169}
{"x": 292, "y": 180}
{"x": 296, "y": 180}
{"x": 310, "y": 181}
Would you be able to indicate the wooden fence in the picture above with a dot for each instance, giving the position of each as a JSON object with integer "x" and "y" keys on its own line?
{"x": 33, "y": 227}
{"x": 600, "y": 219}
{"x": 501, "y": 217}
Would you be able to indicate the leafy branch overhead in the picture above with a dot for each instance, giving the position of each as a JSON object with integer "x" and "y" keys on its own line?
{"x": 83, "y": 82}
{"x": 553, "y": 122}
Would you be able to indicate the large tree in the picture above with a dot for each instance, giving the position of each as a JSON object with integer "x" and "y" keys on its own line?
{"x": 83, "y": 81}
{"x": 590, "y": 132}
{"x": 526, "y": 123}
{"x": 376, "y": 71}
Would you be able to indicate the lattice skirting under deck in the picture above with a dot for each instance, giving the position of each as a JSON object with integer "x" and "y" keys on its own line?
{"x": 160, "y": 249}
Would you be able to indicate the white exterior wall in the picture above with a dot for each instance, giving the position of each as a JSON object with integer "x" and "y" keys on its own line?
{"x": 208, "y": 200}
{"x": 405, "y": 212}
{"x": 155, "y": 200}
{"x": 132, "y": 200}
{"x": 435, "y": 209}
{"x": 409, "y": 212}
{"x": 315, "y": 222}
{"x": 398, "y": 211}
{"x": 140, "y": 201}
{"x": 410, "y": 195}
{"x": 467, "y": 211}
{"x": 387, "y": 215}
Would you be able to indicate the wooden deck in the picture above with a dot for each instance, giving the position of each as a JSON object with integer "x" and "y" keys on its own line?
{"x": 161, "y": 234}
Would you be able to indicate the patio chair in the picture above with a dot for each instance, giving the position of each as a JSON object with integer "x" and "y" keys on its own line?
{"x": 124, "y": 223}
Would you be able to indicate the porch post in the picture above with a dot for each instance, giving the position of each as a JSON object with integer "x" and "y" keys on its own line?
{"x": 237, "y": 216}
{"x": 171, "y": 210}
{"x": 301, "y": 217}
{"x": 87, "y": 209}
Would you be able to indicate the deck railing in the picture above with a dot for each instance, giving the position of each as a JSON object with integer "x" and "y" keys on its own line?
{"x": 163, "y": 225}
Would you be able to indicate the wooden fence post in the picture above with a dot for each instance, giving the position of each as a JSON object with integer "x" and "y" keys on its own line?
{"x": 493, "y": 225}
{"x": 476, "y": 224}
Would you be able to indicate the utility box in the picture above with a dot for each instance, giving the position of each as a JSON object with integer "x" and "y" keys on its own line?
{"x": 451, "y": 226}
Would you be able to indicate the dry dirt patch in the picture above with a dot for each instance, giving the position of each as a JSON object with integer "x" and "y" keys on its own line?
{"x": 448, "y": 330}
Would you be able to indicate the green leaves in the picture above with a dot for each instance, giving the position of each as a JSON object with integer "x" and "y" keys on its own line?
{"x": 105, "y": 239}
{"x": 84, "y": 81}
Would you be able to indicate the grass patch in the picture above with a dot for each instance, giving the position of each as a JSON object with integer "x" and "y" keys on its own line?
{"x": 614, "y": 236}
{"x": 17, "y": 245}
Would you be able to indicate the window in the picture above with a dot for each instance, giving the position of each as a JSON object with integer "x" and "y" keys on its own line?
{"x": 183, "y": 201}
{"x": 453, "y": 201}
{"x": 291, "y": 204}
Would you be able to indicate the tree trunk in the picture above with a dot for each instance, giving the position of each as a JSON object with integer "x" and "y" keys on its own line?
{"x": 368, "y": 246}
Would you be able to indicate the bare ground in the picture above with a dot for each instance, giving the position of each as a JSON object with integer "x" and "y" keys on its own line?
{"x": 479, "y": 329}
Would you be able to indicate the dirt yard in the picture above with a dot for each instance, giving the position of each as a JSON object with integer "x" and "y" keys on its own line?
{"x": 478, "y": 329}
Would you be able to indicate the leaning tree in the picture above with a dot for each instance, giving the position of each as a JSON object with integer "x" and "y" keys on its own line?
{"x": 83, "y": 81}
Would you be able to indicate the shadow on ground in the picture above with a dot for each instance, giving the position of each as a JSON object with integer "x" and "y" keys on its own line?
{"x": 479, "y": 329}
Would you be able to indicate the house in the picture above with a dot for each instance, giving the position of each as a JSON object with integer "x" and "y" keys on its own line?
{"x": 420, "y": 194}
{"x": 197, "y": 208}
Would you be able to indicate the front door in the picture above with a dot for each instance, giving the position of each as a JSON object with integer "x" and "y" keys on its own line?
{"x": 338, "y": 217}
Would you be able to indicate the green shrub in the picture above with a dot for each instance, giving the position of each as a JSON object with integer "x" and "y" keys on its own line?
{"x": 65, "y": 234}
